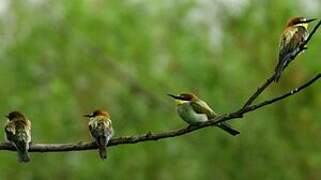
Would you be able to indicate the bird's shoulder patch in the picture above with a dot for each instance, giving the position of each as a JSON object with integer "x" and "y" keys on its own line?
{"x": 10, "y": 128}
{"x": 10, "y": 131}
{"x": 99, "y": 121}
{"x": 288, "y": 34}
{"x": 202, "y": 107}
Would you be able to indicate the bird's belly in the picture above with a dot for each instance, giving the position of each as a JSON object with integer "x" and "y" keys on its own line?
{"x": 190, "y": 116}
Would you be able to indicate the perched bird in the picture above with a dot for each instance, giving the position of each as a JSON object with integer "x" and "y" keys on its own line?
{"x": 194, "y": 111}
{"x": 101, "y": 130}
{"x": 18, "y": 133}
{"x": 295, "y": 33}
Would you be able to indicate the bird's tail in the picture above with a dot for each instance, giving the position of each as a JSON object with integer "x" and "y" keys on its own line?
{"x": 22, "y": 151}
{"x": 226, "y": 127}
{"x": 102, "y": 147}
{"x": 23, "y": 156}
{"x": 277, "y": 75}
{"x": 278, "y": 71}
{"x": 282, "y": 64}
{"x": 103, "y": 152}
{"x": 22, "y": 146}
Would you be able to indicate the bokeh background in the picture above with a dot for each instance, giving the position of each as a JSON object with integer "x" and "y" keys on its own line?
{"x": 60, "y": 59}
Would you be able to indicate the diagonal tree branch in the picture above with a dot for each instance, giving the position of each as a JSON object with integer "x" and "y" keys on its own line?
{"x": 247, "y": 107}
{"x": 278, "y": 98}
{"x": 291, "y": 56}
{"x": 258, "y": 92}
{"x": 156, "y": 136}
{"x": 290, "y": 93}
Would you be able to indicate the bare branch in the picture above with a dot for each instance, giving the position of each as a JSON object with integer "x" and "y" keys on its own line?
{"x": 312, "y": 33}
{"x": 156, "y": 136}
{"x": 258, "y": 92}
{"x": 149, "y": 136}
{"x": 290, "y": 93}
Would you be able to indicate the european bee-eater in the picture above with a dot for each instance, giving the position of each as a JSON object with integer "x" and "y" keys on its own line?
{"x": 18, "y": 133}
{"x": 101, "y": 130}
{"x": 194, "y": 111}
{"x": 295, "y": 33}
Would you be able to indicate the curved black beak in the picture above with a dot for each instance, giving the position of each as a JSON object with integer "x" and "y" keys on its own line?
{"x": 7, "y": 116}
{"x": 310, "y": 20}
{"x": 86, "y": 115}
{"x": 173, "y": 96}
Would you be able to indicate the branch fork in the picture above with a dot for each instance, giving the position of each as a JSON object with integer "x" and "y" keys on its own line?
{"x": 149, "y": 136}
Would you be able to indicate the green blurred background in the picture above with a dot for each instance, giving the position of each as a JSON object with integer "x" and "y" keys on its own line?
{"x": 60, "y": 59}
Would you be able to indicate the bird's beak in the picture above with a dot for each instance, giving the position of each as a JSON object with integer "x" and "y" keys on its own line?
{"x": 86, "y": 115}
{"x": 310, "y": 20}
{"x": 173, "y": 96}
{"x": 7, "y": 116}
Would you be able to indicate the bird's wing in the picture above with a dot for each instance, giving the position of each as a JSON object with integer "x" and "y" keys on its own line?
{"x": 105, "y": 128}
{"x": 202, "y": 107}
{"x": 10, "y": 131}
{"x": 22, "y": 127}
{"x": 110, "y": 130}
{"x": 101, "y": 128}
{"x": 291, "y": 40}
{"x": 28, "y": 129}
{"x": 285, "y": 44}
{"x": 93, "y": 130}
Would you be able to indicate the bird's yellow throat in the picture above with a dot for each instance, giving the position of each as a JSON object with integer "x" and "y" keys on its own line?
{"x": 305, "y": 25}
{"x": 179, "y": 102}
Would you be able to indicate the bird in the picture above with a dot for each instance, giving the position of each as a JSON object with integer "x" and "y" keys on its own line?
{"x": 193, "y": 110}
{"x": 18, "y": 133}
{"x": 100, "y": 127}
{"x": 295, "y": 34}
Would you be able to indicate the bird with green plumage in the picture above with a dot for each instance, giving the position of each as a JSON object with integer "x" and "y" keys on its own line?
{"x": 293, "y": 36}
{"x": 194, "y": 111}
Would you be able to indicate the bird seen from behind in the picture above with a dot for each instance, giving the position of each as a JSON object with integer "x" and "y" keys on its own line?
{"x": 101, "y": 130}
{"x": 18, "y": 133}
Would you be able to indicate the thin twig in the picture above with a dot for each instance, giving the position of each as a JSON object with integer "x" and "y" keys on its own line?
{"x": 258, "y": 92}
{"x": 292, "y": 92}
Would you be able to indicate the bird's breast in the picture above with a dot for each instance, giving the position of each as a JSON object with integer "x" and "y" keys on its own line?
{"x": 187, "y": 113}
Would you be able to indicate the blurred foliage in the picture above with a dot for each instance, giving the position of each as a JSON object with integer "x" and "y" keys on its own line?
{"x": 60, "y": 59}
